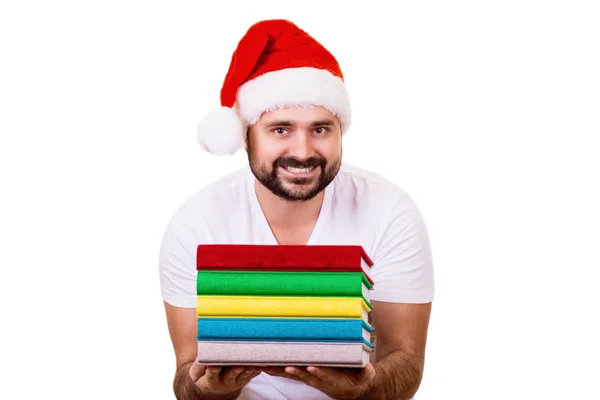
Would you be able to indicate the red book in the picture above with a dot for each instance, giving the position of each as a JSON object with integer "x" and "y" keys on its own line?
{"x": 289, "y": 258}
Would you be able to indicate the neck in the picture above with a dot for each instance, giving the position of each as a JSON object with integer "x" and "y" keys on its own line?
{"x": 285, "y": 214}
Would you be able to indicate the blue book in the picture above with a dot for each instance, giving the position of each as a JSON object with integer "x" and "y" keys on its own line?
{"x": 285, "y": 329}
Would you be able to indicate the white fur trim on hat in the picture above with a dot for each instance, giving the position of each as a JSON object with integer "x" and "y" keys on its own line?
{"x": 304, "y": 86}
{"x": 221, "y": 131}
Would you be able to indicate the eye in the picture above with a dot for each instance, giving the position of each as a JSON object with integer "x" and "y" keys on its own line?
{"x": 280, "y": 131}
{"x": 320, "y": 130}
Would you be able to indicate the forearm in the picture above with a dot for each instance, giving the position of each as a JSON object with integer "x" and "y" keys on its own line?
{"x": 185, "y": 389}
{"x": 397, "y": 377}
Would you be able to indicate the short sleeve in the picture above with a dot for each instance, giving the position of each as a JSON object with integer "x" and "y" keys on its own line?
{"x": 177, "y": 260}
{"x": 403, "y": 268}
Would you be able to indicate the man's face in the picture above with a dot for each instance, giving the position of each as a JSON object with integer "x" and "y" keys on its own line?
{"x": 295, "y": 152}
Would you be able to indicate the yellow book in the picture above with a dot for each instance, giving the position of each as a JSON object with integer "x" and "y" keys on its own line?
{"x": 276, "y": 306}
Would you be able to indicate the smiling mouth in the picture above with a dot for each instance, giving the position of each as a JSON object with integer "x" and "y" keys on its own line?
{"x": 298, "y": 170}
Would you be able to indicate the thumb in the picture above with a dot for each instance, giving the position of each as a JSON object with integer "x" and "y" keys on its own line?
{"x": 368, "y": 372}
{"x": 196, "y": 371}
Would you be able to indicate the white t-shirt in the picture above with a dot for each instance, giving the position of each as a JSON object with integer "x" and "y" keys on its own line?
{"x": 359, "y": 208}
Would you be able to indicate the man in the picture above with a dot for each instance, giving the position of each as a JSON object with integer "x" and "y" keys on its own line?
{"x": 284, "y": 101}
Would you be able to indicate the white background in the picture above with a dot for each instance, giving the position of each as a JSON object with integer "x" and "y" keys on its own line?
{"x": 487, "y": 113}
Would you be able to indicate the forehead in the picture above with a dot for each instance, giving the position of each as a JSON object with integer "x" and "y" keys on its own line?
{"x": 298, "y": 114}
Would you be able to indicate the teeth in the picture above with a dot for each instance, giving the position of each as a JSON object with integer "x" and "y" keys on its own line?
{"x": 299, "y": 170}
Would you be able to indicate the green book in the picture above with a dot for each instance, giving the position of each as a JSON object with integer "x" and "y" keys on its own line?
{"x": 264, "y": 283}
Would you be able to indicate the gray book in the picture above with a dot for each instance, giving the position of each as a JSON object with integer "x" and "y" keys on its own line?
{"x": 330, "y": 354}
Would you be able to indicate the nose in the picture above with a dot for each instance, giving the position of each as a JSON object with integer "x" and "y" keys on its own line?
{"x": 301, "y": 147}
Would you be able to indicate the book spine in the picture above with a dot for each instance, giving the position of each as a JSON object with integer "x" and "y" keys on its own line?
{"x": 211, "y": 256}
{"x": 228, "y": 352}
{"x": 280, "y": 306}
{"x": 283, "y": 283}
{"x": 289, "y": 329}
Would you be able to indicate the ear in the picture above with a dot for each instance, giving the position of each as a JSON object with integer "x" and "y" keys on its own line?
{"x": 246, "y": 138}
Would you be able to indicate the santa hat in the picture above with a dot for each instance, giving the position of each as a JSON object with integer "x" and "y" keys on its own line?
{"x": 276, "y": 64}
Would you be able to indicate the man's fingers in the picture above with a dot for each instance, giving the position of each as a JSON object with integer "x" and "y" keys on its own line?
{"x": 212, "y": 374}
{"x": 247, "y": 374}
{"x": 196, "y": 371}
{"x": 243, "y": 376}
{"x": 231, "y": 374}
{"x": 274, "y": 370}
{"x": 303, "y": 375}
{"x": 280, "y": 371}
{"x": 323, "y": 373}
{"x": 368, "y": 373}
{"x": 299, "y": 372}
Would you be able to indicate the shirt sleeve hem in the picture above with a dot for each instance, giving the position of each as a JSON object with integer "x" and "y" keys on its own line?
{"x": 178, "y": 301}
{"x": 395, "y": 296}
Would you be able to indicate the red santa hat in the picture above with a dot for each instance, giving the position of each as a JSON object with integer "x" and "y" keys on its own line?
{"x": 275, "y": 65}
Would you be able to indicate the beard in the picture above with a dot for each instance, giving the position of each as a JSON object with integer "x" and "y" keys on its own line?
{"x": 296, "y": 189}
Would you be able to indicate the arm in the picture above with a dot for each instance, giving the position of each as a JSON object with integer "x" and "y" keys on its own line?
{"x": 192, "y": 381}
{"x": 177, "y": 282}
{"x": 401, "y": 331}
{"x": 178, "y": 286}
{"x": 182, "y": 333}
{"x": 182, "y": 330}
{"x": 399, "y": 358}
{"x": 402, "y": 296}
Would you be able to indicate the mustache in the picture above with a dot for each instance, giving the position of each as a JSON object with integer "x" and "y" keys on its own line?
{"x": 292, "y": 162}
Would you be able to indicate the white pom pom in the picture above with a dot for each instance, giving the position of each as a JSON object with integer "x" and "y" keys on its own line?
{"x": 221, "y": 132}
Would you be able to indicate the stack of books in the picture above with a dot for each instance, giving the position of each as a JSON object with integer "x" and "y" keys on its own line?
{"x": 283, "y": 305}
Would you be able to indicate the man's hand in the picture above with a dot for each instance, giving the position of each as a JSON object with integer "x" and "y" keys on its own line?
{"x": 339, "y": 383}
{"x": 220, "y": 382}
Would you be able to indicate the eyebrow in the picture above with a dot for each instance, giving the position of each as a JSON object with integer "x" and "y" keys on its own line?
{"x": 324, "y": 122}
